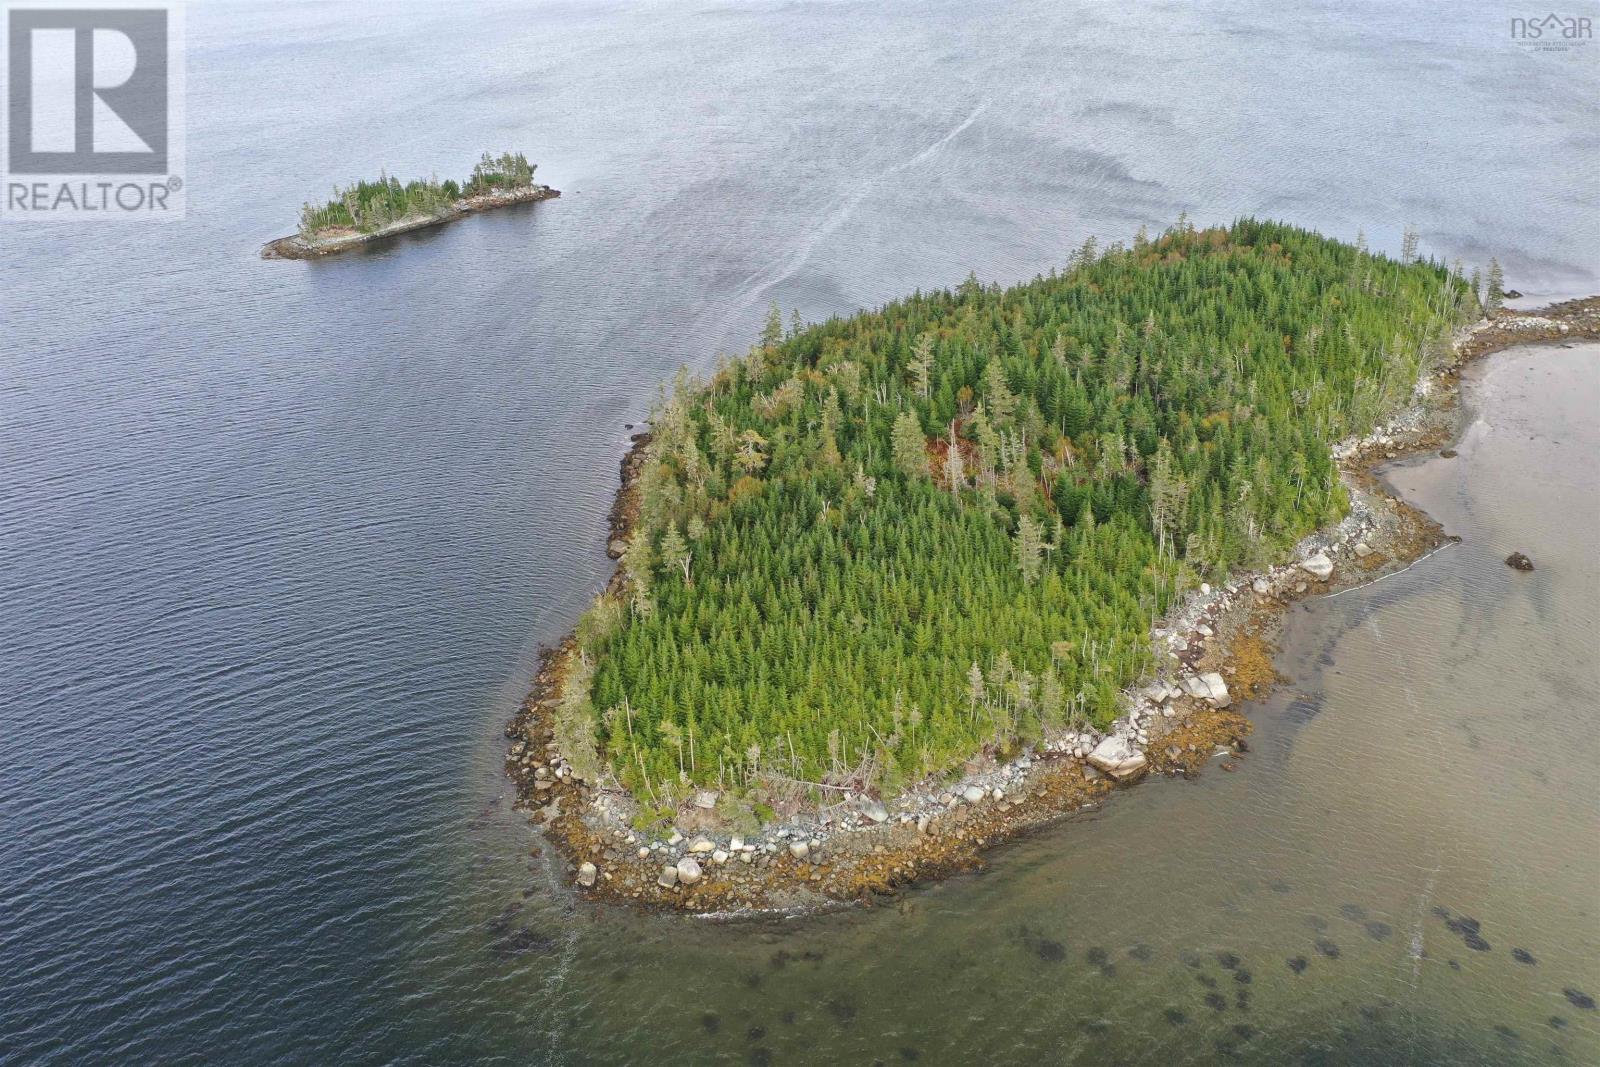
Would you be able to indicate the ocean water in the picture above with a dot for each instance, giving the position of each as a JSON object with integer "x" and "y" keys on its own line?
{"x": 279, "y": 542}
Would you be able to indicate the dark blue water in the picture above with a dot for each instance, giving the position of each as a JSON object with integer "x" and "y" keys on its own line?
{"x": 278, "y": 541}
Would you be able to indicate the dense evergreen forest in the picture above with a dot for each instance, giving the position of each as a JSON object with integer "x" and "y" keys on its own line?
{"x": 871, "y": 547}
{"x": 372, "y": 205}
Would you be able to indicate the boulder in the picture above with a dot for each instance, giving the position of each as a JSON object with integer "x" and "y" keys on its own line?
{"x": 587, "y": 873}
{"x": 1261, "y": 587}
{"x": 706, "y": 799}
{"x": 875, "y": 811}
{"x": 669, "y": 877}
{"x": 719, "y": 857}
{"x": 1117, "y": 757}
{"x": 1216, "y": 690}
{"x": 1518, "y": 562}
{"x": 1195, "y": 687}
{"x": 1363, "y": 550}
{"x": 1318, "y": 566}
{"x": 972, "y": 794}
{"x": 688, "y": 871}
{"x": 702, "y": 844}
{"x": 799, "y": 849}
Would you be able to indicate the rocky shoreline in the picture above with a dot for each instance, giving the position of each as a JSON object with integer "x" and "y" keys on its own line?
{"x": 297, "y": 247}
{"x": 1218, "y": 649}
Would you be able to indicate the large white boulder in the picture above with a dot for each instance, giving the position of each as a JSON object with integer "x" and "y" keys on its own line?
{"x": 688, "y": 871}
{"x": 1118, "y": 757}
{"x": 1318, "y": 566}
{"x": 1195, "y": 687}
{"x": 587, "y": 873}
{"x": 1216, "y": 690}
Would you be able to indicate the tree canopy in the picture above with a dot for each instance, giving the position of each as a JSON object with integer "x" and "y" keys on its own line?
{"x": 873, "y": 546}
{"x": 372, "y": 205}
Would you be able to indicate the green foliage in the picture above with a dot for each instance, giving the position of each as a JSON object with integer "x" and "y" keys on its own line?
{"x": 1495, "y": 297}
{"x": 371, "y": 205}
{"x": 951, "y": 522}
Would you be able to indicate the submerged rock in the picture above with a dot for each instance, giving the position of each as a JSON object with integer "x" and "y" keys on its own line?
{"x": 1518, "y": 562}
{"x": 587, "y": 873}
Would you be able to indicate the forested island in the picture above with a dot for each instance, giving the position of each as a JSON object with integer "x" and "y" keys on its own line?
{"x": 880, "y": 567}
{"x": 369, "y": 210}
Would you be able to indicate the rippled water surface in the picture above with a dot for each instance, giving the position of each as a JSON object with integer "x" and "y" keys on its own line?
{"x": 278, "y": 542}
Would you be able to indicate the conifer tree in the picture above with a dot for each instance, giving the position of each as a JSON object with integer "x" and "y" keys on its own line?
{"x": 1497, "y": 294}
{"x": 910, "y": 452}
{"x": 772, "y": 332}
{"x": 1029, "y": 548}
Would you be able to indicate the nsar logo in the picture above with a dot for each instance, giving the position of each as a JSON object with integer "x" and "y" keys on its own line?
{"x": 1552, "y": 33}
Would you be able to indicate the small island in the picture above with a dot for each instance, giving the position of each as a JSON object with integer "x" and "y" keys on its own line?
{"x": 898, "y": 586}
{"x": 371, "y": 210}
